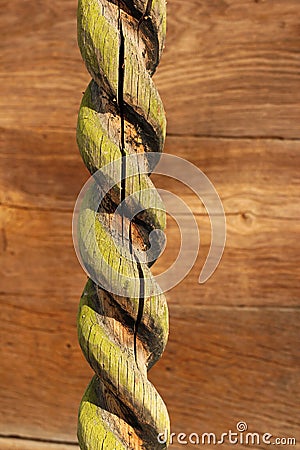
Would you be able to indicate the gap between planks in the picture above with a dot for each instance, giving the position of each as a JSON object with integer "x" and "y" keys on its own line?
{"x": 233, "y": 137}
{"x": 173, "y": 306}
{"x": 221, "y": 137}
{"x": 14, "y": 206}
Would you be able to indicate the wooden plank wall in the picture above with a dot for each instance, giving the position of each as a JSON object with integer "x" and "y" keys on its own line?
{"x": 230, "y": 81}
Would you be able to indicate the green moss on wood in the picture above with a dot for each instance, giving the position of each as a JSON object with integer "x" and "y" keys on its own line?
{"x": 120, "y": 390}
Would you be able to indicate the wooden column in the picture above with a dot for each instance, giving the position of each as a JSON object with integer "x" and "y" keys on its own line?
{"x": 121, "y": 114}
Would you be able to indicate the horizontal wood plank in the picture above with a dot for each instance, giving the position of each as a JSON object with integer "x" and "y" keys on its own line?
{"x": 255, "y": 176}
{"x": 45, "y": 169}
{"x": 39, "y": 259}
{"x": 257, "y": 181}
{"x": 24, "y": 444}
{"x": 230, "y": 365}
{"x": 229, "y": 68}
{"x": 221, "y": 365}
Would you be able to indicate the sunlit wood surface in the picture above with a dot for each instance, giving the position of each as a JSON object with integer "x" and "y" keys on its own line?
{"x": 230, "y": 82}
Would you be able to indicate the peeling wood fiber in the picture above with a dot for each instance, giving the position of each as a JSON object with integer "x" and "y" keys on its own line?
{"x": 121, "y": 113}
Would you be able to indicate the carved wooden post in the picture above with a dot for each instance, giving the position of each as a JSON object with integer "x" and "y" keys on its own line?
{"x": 121, "y": 113}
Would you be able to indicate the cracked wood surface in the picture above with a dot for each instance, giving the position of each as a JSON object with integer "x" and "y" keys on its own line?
{"x": 211, "y": 376}
{"x": 122, "y": 326}
{"x": 258, "y": 183}
{"x": 250, "y": 307}
{"x": 242, "y": 351}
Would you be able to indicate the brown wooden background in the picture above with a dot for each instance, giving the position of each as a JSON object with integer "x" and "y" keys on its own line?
{"x": 230, "y": 81}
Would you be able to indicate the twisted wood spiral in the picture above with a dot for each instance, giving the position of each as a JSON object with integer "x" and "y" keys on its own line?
{"x": 121, "y": 114}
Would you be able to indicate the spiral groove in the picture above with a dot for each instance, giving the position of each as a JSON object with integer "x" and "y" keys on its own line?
{"x": 122, "y": 114}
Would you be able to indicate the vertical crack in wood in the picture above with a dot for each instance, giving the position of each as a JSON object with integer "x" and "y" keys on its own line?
{"x": 121, "y": 70}
{"x": 122, "y": 335}
{"x": 123, "y": 176}
{"x": 145, "y": 13}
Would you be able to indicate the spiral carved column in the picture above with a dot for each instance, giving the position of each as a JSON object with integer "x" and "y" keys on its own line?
{"x": 122, "y": 114}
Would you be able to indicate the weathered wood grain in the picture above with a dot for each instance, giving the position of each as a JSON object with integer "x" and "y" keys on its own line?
{"x": 256, "y": 176}
{"x": 258, "y": 184}
{"x": 23, "y": 444}
{"x": 260, "y": 265}
{"x": 44, "y": 373}
{"x": 237, "y": 68}
{"x": 230, "y": 68}
{"x": 231, "y": 364}
{"x": 236, "y": 71}
{"x": 45, "y": 169}
{"x": 227, "y": 365}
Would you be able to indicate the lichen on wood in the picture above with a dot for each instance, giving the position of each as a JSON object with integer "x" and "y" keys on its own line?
{"x": 121, "y": 114}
